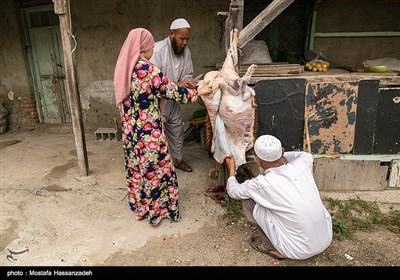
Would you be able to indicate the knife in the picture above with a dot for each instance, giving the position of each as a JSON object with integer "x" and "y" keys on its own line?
{"x": 197, "y": 77}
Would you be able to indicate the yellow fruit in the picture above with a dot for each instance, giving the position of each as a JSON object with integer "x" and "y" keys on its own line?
{"x": 317, "y": 65}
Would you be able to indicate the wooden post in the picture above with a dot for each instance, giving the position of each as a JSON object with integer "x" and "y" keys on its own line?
{"x": 61, "y": 8}
{"x": 234, "y": 20}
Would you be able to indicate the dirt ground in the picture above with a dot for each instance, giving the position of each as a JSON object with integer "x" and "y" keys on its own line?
{"x": 68, "y": 220}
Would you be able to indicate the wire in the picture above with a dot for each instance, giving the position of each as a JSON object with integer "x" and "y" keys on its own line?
{"x": 70, "y": 28}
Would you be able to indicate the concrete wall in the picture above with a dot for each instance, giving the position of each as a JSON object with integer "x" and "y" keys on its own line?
{"x": 15, "y": 76}
{"x": 101, "y": 27}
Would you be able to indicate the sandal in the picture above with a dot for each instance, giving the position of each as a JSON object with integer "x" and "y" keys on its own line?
{"x": 256, "y": 243}
{"x": 183, "y": 166}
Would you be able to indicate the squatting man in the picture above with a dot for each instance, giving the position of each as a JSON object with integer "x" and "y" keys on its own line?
{"x": 283, "y": 202}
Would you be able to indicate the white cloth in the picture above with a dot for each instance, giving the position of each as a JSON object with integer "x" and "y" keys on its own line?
{"x": 288, "y": 206}
{"x": 176, "y": 68}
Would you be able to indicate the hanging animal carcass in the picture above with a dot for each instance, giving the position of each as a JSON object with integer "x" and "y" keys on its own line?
{"x": 231, "y": 108}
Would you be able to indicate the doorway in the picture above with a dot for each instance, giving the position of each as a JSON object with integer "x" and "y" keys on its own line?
{"x": 42, "y": 33}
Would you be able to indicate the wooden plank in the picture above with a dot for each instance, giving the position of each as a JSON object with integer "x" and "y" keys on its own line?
{"x": 262, "y": 20}
{"x": 268, "y": 64}
{"x": 277, "y": 72}
{"x": 349, "y": 175}
{"x": 62, "y": 8}
{"x": 274, "y": 69}
{"x": 369, "y": 74}
{"x": 394, "y": 178}
{"x": 266, "y": 69}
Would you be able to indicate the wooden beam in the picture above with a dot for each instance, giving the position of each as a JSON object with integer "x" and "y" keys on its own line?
{"x": 61, "y": 8}
{"x": 234, "y": 20}
{"x": 262, "y": 20}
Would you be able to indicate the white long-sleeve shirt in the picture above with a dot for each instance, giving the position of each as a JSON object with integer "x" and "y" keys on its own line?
{"x": 288, "y": 206}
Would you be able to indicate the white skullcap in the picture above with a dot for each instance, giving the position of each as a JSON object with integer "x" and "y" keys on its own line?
{"x": 179, "y": 23}
{"x": 268, "y": 148}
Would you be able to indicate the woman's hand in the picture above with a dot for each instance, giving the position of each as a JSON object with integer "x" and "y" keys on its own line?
{"x": 188, "y": 83}
{"x": 205, "y": 89}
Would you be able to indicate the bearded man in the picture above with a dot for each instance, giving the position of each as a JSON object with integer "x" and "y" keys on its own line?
{"x": 174, "y": 59}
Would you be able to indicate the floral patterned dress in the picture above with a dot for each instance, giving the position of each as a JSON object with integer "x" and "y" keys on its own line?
{"x": 152, "y": 182}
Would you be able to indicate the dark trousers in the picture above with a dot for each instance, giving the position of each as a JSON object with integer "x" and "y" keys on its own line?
{"x": 248, "y": 207}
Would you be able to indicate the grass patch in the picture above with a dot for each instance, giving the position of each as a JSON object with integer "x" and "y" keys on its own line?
{"x": 348, "y": 216}
{"x": 392, "y": 221}
{"x": 335, "y": 260}
{"x": 234, "y": 210}
{"x": 355, "y": 215}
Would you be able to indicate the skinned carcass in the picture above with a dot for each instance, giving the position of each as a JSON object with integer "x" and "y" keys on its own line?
{"x": 231, "y": 108}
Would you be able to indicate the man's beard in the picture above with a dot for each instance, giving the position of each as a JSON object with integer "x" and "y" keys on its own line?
{"x": 178, "y": 51}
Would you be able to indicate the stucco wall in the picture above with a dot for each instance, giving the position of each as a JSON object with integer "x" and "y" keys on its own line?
{"x": 14, "y": 74}
{"x": 102, "y": 26}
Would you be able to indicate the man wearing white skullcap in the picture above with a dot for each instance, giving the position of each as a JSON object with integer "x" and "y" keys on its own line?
{"x": 174, "y": 59}
{"x": 283, "y": 202}
{"x": 268, "y": 148}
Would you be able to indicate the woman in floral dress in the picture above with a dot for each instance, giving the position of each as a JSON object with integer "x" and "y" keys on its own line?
{"x": 138, "y": 85}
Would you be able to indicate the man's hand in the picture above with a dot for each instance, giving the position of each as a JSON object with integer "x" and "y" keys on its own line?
{"x": 230, "y": 163}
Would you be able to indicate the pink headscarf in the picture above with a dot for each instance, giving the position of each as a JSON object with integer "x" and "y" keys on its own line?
{"x": 138, "y": 40}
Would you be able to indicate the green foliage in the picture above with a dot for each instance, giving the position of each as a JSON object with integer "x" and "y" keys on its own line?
{"x": 340, "y": 227}
{"x": 358, "y": 215}
{"x": 392, "y": 221}
{"x": 335, "y": 260}
{"x": 234, "y": 210}
{"x": 348, "y": 216}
